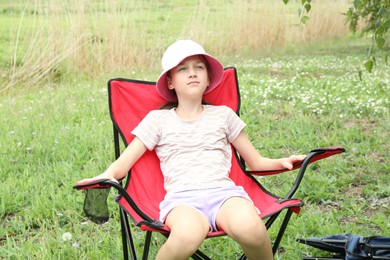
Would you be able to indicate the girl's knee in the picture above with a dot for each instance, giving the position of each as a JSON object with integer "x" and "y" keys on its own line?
{"x": 254, "y": 229}
{"x": 250, "y": 232}
{"x": 185, "y": 238}
{"x": 186, "y": 241}
{"x": 179, "y": 246}
{"x": 188, "y": 226}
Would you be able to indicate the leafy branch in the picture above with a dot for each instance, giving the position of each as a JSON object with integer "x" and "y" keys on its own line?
{"x": 375, "y": 15}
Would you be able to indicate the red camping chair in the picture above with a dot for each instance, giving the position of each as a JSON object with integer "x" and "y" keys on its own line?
{"x": 129, "y": 102}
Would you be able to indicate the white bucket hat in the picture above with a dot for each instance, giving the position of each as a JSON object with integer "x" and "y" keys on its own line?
{"x": 176, "y": 53}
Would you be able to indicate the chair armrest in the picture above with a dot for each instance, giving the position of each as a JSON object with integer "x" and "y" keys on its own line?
{"x": 98, "y": 184}
{"x": 312, "y": 156}
{"x": 317, "y": 154}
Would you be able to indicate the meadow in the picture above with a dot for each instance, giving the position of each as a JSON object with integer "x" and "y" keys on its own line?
{"x": 299, "y": 92}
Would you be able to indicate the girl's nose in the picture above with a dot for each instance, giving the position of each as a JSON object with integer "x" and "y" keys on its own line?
{"x": 192, "y": 72}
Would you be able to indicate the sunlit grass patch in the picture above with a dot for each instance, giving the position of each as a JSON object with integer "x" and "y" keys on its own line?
{"x": 312, "y": 87}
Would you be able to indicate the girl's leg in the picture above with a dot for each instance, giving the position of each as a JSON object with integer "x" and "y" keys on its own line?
{"x": 189, "y": 228}
{"x": 240, "y": 220}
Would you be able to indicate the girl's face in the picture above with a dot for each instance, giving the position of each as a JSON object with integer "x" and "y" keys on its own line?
{"x": 190, "y": 78}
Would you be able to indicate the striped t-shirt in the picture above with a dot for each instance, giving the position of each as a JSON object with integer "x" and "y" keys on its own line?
{"x": 193, "y": 154}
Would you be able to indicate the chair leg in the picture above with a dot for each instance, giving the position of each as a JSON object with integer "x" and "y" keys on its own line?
{"x": 199, "y": 255}
{"x": 271, "y": 220}
{"x": 127, "y": 240}
{"x": 124, "y": 237}
{"x": 281, "y": 231}
{"x": 148, "y": 237}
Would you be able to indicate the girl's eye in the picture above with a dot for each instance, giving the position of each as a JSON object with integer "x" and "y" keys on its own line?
{"x": 181, "y": 69}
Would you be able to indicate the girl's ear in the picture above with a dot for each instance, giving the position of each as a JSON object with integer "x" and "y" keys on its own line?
{"x": 169, "y": 83}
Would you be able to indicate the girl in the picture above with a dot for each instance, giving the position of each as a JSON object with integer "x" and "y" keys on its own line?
{"x": 192, "y": 141}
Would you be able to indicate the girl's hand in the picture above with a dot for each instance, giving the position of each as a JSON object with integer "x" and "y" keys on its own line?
{"x": 102, "y": 176}
{"x": 290, "y": 161}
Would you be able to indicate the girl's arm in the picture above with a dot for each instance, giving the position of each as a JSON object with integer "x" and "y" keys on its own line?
{"x": 256, "y": 162}
{"x": 122, "y": 165}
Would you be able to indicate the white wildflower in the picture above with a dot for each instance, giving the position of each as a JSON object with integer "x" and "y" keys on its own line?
{"x": 66, "y": 236}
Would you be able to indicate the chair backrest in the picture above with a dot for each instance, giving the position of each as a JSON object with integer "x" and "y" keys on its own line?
{"x": 130, "y": 101}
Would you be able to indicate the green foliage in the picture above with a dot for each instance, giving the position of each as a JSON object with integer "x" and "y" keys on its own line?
{"x": 303, "y": 10}
{"x": 375, "y": 15}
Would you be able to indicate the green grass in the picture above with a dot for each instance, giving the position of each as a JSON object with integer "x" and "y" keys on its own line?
{"x": 293, "y": 101}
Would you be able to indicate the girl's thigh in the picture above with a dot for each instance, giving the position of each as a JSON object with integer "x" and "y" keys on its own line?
{"x": 187, "y": 219}
{"x": 238, "y": 213}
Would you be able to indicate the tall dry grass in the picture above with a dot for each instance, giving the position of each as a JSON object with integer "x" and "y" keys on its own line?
{"x": 55, "y": 37}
